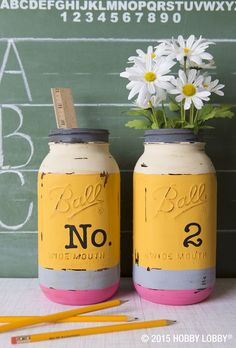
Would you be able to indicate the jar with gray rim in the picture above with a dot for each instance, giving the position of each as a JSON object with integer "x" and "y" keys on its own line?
{"x": 79, "y": 218}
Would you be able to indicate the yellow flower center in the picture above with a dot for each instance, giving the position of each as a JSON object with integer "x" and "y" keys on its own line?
{"x": 189, "y": 90}
{"x": 153, "y": 55}
{"x": 150, "y": 76}
{"x": 205, "y": 85}
{"x": 186, "y": 50}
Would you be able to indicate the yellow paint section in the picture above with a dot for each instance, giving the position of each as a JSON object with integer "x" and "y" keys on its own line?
{"x": 175, "y": 221}
{"x": 79, "y": 199}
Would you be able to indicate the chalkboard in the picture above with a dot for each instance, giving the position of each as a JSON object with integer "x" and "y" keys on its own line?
{"x": 84, "y": 45}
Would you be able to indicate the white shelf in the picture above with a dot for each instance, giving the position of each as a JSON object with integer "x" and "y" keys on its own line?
{"x": 215, "y": 316}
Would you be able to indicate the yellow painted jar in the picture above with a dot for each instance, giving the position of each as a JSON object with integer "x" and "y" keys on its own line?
{"x": 79, "y": 218}
{"x": 174, "y": 219}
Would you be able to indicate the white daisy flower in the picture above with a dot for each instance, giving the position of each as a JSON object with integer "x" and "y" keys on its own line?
{"x": 159, "y": 51}
{"x": 154, "y": 99}
{"x": 212, "y": 86}
{"x": 190, "y": 89}
{"x": 142, "y": 55}
{"x": 146, "y": 77}
{"x": 203, "y": 66}
{"x": 193, "y": 50}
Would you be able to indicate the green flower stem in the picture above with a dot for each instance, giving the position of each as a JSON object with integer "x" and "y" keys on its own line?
{"x": 196, "y": 117}
{"x": 181, "y": 111}
{"x": 164, "y": 113}
{"x": 191, "y": 118}
{"x": 182, "y": 115}
{"x": 154, "y": 119}
{"x": 185, "y": 64}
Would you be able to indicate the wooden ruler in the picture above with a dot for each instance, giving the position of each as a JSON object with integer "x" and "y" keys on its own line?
{"x": 64, "y": 108}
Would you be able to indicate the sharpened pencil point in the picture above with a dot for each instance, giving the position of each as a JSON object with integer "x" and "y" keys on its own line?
{"x": 132, "y": 318}
{"x": 123, "y": 301}
{"x": 170, "y": 322}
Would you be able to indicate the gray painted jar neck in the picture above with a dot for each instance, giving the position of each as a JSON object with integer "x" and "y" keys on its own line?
{"x": 79, "y": 136}
{"x": 170, "y": 135}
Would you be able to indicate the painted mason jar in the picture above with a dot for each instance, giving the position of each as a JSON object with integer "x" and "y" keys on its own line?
{"x": 174, "y": 219}
{"x": 79, "y": 218}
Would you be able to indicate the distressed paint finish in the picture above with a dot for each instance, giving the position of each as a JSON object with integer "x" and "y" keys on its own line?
{"x": 79, "y": 297}
{"x": 173, "y": 297}
{"x": 79, "y": 279}
{"x": 79, "y": 223}
{"x": 174, "y": 223}
{"x": 174, "y": 279}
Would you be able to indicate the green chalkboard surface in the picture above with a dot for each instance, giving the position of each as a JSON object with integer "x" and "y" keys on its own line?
{"x": 84, "y": 45}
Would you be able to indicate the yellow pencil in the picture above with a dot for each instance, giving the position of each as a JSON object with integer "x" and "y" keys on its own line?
{"x": 60, "y": 315}
{"x": 89, "y": 331}
{"x": 80, "y": 318}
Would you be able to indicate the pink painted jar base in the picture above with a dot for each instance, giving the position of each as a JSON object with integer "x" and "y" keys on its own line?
{"x": 79, "y": 297}
{"x": 173, "y": 297}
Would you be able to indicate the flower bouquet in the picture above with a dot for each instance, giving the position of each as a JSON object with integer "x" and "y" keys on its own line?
{"x": 187, "y": 94}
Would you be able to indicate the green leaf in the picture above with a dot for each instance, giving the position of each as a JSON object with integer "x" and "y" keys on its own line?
{"x": 223, "y": 111}
{"x": 209, "y": 112}
{"x": 134, "y": 112}
{"x": 226, "y": 106}
{"x": 206, "y": 109}
{"x": 206, "y": 127}
{"x": 155, "y": 126}
{"x": 173, "y": 105}
{"x": 174, "y": 122}
{"x": 138, "y": 112}
{"x": 160, "y": 117}
{"x": 189, "y": 126}
{"x": 138, "y": 124}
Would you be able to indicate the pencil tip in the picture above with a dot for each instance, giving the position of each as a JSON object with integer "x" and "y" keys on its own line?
{"x": 123, "y": 301}
{"x": 132, "y": 318}
{"x": 170, "y": 322}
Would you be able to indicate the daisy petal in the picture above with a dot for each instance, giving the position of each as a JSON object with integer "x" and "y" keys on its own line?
{"x": 182, "y": 76}
{"x": 190, "y": 41}
{"x": 181, "y": 41}
{"x": 221, "y": 93}
{"x": 206, "y": 56}
{"x": 192, "y": 75}
{"x": 151, "y": 88}
{"x": 197, "y": 103}
{"x": 187, "y": 103}
{"x": 179, "y": 98}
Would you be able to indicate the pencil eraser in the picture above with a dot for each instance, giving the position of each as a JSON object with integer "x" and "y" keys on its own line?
{"x": 13, "y": 340}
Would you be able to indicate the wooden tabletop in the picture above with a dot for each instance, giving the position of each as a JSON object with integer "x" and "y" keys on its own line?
{"x": 209, "y": 324}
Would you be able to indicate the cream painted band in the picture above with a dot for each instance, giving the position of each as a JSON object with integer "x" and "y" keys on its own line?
{"x": 79, "y": 280}
{"x": 174, "y": 280}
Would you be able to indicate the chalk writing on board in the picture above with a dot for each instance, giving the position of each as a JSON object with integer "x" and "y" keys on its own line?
{"x": 1, "y": 150}
{"x": 29, "y": 210}
{"x": 119, "y": 6}
{"x": 12, "y": 47}
{"x": 122, "y": 11}
{"x": 15, "y": 135}
{"x": 126, "y": 17}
